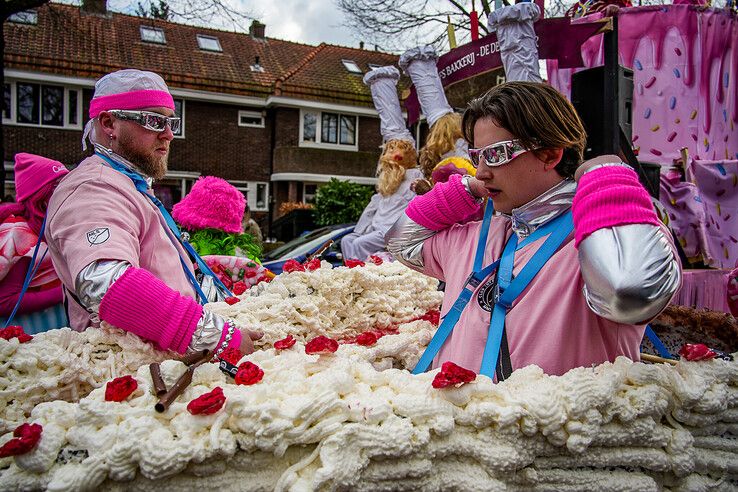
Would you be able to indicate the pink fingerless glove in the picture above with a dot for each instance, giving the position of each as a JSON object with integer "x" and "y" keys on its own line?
{"x": 610, "y": 196}
{"x": 141, "y": 303}
{"x": 444, "y": 205}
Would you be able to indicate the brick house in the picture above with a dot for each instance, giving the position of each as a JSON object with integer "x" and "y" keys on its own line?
{"x": 275, "y": 118}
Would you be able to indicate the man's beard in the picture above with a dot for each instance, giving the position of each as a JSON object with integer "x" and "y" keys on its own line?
{"x": 150, "y": 164}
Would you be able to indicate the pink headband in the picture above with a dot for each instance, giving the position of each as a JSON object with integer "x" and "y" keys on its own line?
{"x": 131, "y": 100}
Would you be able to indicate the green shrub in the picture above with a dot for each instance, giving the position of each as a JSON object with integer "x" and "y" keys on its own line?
{"x": 339, "y": 202}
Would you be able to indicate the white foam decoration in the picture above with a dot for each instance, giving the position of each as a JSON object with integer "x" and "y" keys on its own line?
{"x": 335, "y": 422}
{"x": 64, "y": 365}
{"x": 338, "y": 303}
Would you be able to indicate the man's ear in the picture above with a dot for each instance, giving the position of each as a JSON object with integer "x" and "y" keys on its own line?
{"x": 550, "y": 157}
{"x": 106, "y": 122}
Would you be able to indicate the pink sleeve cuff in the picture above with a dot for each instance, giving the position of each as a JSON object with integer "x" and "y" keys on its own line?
{"x": 444, "y": 205}
{"x": 141, "y": 303}
{"x": 610, "y": 196}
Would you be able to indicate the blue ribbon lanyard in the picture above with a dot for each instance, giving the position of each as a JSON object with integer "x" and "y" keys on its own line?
{"x": 557, "y": 229}
{"x": 141, "y": 185}
{"x": 30, "y": 273}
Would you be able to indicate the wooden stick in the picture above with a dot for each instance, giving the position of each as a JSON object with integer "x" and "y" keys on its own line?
{"x": 657, "y": 360}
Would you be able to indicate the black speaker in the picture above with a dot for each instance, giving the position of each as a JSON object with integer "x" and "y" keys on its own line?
{"x": 600, "y": 112}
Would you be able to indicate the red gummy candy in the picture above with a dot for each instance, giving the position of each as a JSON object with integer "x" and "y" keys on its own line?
{"x": 239, "y": 288}
{"x": 231, "y": 355}
{"x": 232, "y": 300}
{"x": 120, "y": 388}
{"x": 376, "y": 259}
{"x": 292, "y": 266}
{"x": 284, "y": 343}
{"x": 313, "y": 264}
{"x": 26, "y": 438}
{"x": 353, "y": 263}
{"x": 433, "y": 316}
{"x": 321, "y": 345}
{"x": 207, "y": 404}
{"x": 249, "y": 373}
{"x": 15, "y": 331}
{"x": 696, "y": 351}
{"x": 366, "y": 339}
{"x": 451, "y": 374}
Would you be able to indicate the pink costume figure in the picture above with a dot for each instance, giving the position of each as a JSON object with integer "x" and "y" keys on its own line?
{"x": 110, "y": 242}
{"x": 591, "y": 299}
{"x": 20, "y": 225}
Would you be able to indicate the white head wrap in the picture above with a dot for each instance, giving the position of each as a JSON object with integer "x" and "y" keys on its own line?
{"x": 420, "y": 64}
{"x": 383, "y": 83}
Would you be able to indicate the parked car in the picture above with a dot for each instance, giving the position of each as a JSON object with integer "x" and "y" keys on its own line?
{"x": 300, "y": 248}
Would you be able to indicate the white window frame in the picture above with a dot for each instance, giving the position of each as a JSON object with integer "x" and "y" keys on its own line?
{"x": 205, "y": 37}
{"x": 67, "y": 89}
{"x": 152, "y": 28}
{"x": 250, "y": 188}
{"x": 251, "y": 114}
{"x": 304, "y": 190}
{"x": 182, "y": 119}
{"x": 349, "y": 66}
{"x": 318, "y": 133}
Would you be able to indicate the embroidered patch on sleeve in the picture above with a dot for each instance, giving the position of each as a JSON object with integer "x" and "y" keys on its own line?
{"x": 98, "y": 236}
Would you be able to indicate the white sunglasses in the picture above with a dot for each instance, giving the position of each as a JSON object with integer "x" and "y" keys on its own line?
{"x": 151, "y": 121}
{"x": 498, "y": 153}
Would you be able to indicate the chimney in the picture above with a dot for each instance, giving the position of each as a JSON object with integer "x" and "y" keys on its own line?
{"x": 95, "y": 7}
{"x": 256, "y": 29}
{"x": 361, "y": 45}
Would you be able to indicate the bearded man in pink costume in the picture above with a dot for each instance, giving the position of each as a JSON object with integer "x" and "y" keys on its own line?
{"x": 111, "y": 241}
{"x": 605, "y": 280}
{"x": 20, "y": 226}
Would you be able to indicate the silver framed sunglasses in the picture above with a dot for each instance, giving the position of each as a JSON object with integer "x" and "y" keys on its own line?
{"x": 151, "y": 121}
{"x": 498, "y": 153}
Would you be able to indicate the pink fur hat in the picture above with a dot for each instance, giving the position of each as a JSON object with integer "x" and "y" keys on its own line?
{"x": 212, "y": 203}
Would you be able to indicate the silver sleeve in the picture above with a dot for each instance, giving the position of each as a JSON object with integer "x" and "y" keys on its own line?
{"x": 405, "y": 241}
{"x": 94, "y": 280}
{"x": 630, "y": 272}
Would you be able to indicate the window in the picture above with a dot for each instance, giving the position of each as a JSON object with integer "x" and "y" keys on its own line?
{"x": 179, "y": 110}
{"x": 153, "y": 35}
{"x": 257, "y": 194}
{"x": 308, "y": 192}
{"x": 208, "y": 43}
{"x": 251, "y": 118}
{"x": 30, "y": 103}
{"x": 25, "y": 17}
{"x": 351, "y": 66}
{"x": 329, "y": 130}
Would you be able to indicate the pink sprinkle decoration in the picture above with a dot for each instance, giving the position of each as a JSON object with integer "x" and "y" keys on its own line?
{"x": 650, "y": 82}
{"x": 656, "y": 152}
{"x": 671, "y": 137}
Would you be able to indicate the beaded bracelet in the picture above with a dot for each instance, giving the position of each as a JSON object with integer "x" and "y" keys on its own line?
{"x": 226, "y": 341}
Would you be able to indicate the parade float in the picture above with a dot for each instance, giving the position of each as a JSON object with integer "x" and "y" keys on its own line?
{"x": 327, "y": 401}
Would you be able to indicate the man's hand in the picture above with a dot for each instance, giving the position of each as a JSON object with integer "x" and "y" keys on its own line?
{"x": 421, "y": 186}
{"x": 247, "y": 340}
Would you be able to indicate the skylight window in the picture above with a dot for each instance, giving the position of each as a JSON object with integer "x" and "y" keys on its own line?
{"x": 351, "y": 66}
{"x": 153, "y": 35}
{"x": 25, "y": 17}
{"x": 208, "y": 43}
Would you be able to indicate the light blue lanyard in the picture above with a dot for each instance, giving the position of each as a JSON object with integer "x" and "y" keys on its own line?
{"x": 558, "y": 230}
{"x": 142, "y": 186}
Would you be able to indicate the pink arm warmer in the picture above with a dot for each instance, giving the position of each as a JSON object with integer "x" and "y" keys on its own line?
{"x": 141, "y": 303}
{"x": 444, "y": 205}
{"x": 610, "y": 196}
